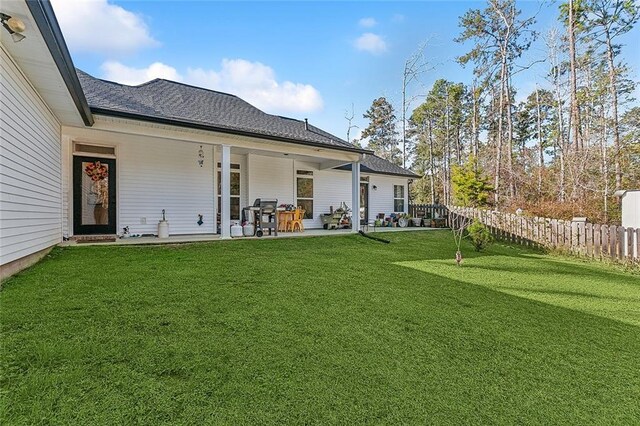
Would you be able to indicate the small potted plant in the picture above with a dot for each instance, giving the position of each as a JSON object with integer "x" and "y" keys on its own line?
{"x": 403, "y": 220}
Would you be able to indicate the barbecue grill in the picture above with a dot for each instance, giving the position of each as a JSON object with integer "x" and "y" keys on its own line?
{"x": 264, "y": 215}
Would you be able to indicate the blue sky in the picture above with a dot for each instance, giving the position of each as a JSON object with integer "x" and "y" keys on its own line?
{"x": 294, "y": 58}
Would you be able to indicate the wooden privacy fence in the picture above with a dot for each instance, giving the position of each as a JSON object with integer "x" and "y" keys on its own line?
{"x": 576, "y": 237}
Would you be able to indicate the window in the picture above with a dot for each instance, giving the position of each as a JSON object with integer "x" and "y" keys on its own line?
{"x": 82, "y": 148}
{"x": 304, "y": 192}
{"x": 235, "y": 191}
{"x": 398, "y": 198}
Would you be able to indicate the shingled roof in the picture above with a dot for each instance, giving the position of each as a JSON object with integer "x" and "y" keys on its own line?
{"x": 180, "y": 104}
{"x": 170, "y": 102}
{"x": 373, "y": 164}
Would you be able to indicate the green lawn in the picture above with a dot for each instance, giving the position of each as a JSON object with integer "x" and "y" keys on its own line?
{"x": 326, "y": 330}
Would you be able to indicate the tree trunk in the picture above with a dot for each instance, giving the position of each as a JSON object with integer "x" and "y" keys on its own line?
{"x": 496, "y": 181}
{"x": 474, "y": 127}
{"x": 447, "y": 181}
{"x": 604, "y": 167}
{"x": 511, "y": 180}
{"x": 575, "y": 110}
{"x": 404, "y": 119}
{"x": 614, "y": 106}
{"x": 561, "y": 144}
{"x": 540, "y": 143}
{"x": 431, "y": 165}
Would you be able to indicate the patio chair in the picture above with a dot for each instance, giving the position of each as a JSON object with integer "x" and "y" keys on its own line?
{"x": 298, "y": 216}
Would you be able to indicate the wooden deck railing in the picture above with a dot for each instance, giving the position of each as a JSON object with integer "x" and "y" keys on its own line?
{"x": 576, "y": 237}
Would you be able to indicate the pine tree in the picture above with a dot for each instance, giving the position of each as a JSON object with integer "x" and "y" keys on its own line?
{"x": 381, "y": 131}
{"x": 471, "y": 188}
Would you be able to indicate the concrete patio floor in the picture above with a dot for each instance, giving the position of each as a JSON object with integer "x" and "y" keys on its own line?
{"x": 181, "y": 239}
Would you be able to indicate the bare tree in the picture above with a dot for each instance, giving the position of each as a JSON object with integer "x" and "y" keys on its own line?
{"x": 413, "y": 68}
{"x": 349, "y": 117}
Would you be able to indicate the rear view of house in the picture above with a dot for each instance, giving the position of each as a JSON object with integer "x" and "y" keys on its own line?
{"x": 83, "y": 156}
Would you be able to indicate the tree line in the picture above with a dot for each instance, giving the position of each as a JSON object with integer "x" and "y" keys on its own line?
{"x": 562, "y": 151}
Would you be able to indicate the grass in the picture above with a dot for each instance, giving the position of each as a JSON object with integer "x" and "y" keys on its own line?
{"x": 327, "y": 330}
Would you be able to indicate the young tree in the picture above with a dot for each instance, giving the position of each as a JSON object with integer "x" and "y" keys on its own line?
{"x": 471, "y": 187}
{"x": 381, "y": 131}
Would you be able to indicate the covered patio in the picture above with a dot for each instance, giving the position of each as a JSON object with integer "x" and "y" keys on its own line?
{"x": 206, "y": 157}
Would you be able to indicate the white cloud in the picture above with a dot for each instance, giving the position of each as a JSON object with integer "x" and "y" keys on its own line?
{"x": 115, "y": 71}
{"x": 98, "y": 26}
{"x": 371, "y": 43}
{"x": 367, "y": 22}
{"x": 397, "y": 18}
{"x": 254, "y": 82}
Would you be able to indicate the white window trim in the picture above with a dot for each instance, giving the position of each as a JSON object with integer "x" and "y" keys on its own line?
{"x": 403, "y": 198}
{"x": 218, "y": 195}
{"x": 305, "y": 176}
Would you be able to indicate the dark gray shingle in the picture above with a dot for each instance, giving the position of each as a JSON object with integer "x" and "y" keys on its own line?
{"x": 182, "y": 103}
{"x": 373, "y": 164}
{"x": 164, "y": 99}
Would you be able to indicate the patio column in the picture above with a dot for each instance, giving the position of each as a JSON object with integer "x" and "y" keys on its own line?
{"x": 355, "y": 196}
{"x": 225, "y": 192}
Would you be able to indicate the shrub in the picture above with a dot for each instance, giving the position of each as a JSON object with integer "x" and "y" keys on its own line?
{"x": 479, "y": 235}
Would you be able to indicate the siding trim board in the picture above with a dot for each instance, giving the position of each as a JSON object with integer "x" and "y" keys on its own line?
{"x": 30, "y": 168}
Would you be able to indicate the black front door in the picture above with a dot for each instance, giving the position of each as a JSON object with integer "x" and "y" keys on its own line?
{"x": 94, "y": 195}
{"x": 364, "y": 202}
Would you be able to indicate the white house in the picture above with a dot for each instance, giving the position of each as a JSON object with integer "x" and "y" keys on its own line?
{"x": 162, "y": 145}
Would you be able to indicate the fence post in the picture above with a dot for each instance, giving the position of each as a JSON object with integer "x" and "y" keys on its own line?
{"x": 613, "y": 234}
{"x": 588, "y": 230}
{"x": 622, "y": 243}
{"x": 629, "y": 246}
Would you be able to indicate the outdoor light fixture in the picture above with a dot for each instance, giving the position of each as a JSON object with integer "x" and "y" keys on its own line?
{"x": 14, "y": 26}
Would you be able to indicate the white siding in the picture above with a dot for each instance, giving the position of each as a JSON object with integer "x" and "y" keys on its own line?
{"x": 330, "y": 188}
{"x": 153, "y": 175}
{"x": 30, "y": 170}
{"x": 273, "y": 177}
{"x": 381, "y": 199}
{"x": 631, "y": 209}
{"x": 157, "y": 175}
{"x": 270, "y": 177}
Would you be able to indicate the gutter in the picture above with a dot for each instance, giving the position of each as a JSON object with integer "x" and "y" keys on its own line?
{"x": 408, "y": 175}
{"x": 47, "y": 23}
{"x": 199, "y": 126}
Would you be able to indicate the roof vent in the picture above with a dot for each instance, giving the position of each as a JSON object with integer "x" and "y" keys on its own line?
{"x": 306, "y": 124}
